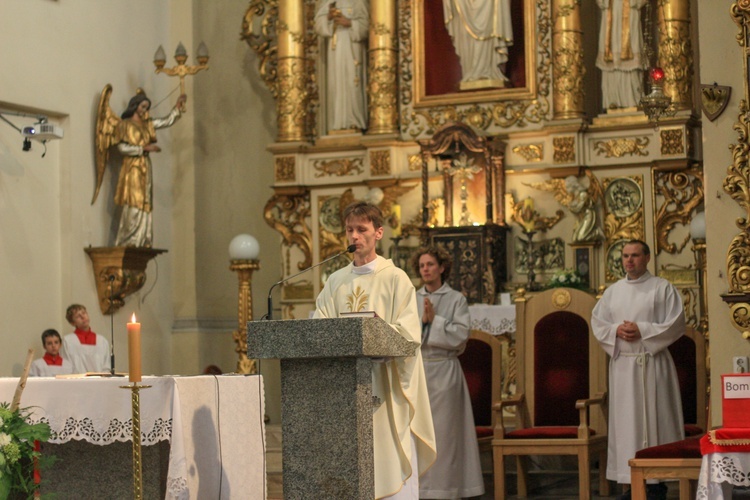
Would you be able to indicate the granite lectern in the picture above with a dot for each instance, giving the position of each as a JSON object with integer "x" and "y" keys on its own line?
{"x": 326, "y": 399}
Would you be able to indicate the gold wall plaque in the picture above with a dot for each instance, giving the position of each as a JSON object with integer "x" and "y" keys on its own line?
{"x": 380, "y": 162}
{"x": 340, "y": 167}
{"x": 672, "y": 141}
{"x": 564, "y": 149}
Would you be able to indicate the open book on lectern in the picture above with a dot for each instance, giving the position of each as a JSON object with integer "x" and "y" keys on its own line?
{"x": 359, "y": 314}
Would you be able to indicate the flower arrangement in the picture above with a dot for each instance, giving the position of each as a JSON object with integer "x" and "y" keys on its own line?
{"x": 17, "y": 453}
{"x": 567, "y": 278}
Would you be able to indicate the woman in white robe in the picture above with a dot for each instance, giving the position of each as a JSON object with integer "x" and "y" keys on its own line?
{"x": 457, "y": 472}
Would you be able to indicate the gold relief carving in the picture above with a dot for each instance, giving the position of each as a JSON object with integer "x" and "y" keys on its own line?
{"x": 530, "y": 152}
{"x": 415, "y": 162}
{"x": 564, "y": 149}
{"x": 382, "y": 91}
{"x": 623, "y": 220}
{"x": 675, "y": 51}
{"x": 567, "y": 67}
{"x": 504, "y": 114}
{"x": 738, "y": 264}
{"x": 288, "y": 215}
{"x": 264, "y": 42}
{"x": 682, "y": 193}
{"x": 561, "y": 298}
{"x": 679, "y": 275}
{"x": 282, "y": 27}
{"x": 292, "y": 99}
{"x": 284, "y": 169}
{"x": 739, "y": 313}
{"x": 379, "y": 29}
{"x": 690, "y": 304}
{"x": 672, "y": 141}
{"x": 380, "y": 162}
{"x": 617, "y": 148}
{"x": 339, "y": 167}
{"x": 331, "y": 234}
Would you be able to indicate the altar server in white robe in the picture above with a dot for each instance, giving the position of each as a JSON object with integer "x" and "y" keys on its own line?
{"x": 403, "y": 435}
{"x": 86, "y": 350}
{"x": 457, "y": 472}
{"x": 635, "y": 321}
{"x": 51, "y": 363}
{"x": 345, "y": 24}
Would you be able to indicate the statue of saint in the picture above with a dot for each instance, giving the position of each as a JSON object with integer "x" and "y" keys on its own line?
{"x": 134, "y": 134}
{"x": 481, "y": 32}
{"x": 345, "y": 25}
{"x": 620, "y": 55}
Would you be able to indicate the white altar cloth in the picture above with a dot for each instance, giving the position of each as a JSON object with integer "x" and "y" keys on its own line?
{"x": 495, "y": 320}
{"x": 214, "y": 425}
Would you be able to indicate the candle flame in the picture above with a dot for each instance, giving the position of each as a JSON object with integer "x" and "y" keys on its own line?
{"x": 132, "y": 319}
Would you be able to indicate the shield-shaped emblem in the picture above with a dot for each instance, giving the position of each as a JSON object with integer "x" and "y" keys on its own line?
{"x": 714, "y": 98}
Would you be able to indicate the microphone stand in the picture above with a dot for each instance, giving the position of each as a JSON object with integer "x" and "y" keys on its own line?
{"x": 269, "y": 316}
{"x": 111, "y": 328}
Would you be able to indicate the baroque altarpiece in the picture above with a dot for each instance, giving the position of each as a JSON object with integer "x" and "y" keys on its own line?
{"x": 444, "y": 157}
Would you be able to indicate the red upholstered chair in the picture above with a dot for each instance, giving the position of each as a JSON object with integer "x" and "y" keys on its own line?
{"x": 560, "y": 366}
{"x": 682, "y": 459}
{"x": 482, "y": 362}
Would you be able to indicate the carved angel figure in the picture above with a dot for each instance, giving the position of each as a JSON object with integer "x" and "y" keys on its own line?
{"x": 134, "y": 134}
{"x": 581, "y": 201}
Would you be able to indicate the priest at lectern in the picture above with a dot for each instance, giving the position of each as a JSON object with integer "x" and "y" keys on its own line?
{"x": 403, "y": 434}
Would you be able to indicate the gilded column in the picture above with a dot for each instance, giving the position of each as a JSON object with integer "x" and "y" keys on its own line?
{"x": 292, "y": 74}
{"x": 567, "y": 60}
{"x": 382, "y": 68}
{"x": 676, "y": 51}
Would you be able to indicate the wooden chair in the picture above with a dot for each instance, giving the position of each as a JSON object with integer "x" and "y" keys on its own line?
{"x": 482, "y": 362}
{"x": 680, "y": 460}
{"x": 560, "y": 364}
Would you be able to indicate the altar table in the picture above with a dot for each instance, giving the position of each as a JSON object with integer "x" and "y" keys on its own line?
{"x": 214, "y": 427}
{"x": 725, "y": 464}
{"x": 493, "y": 319}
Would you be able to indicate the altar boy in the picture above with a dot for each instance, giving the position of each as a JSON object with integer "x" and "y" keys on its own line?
{"x": 51, "y": 363}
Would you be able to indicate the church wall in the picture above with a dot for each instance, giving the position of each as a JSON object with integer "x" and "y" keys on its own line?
{"x": 235, "y": 122}
{"x": 721, "y": 62}
{"x": 57, "y": 57}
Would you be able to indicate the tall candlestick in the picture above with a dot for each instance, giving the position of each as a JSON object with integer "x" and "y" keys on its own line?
{"x": 134, "y": 350}
{"x": 396, "y": 209}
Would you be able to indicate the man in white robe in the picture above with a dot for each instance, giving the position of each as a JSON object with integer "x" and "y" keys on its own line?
{"x": 635, "y": 321}
{"x": 345, "y": 23}
{"x": 481, "y": 32}
{"x": 457, "y": 472}
{"x": 403, "y": 435}
{"x": 87, "y": 351}
{"x": 620, "y": 55}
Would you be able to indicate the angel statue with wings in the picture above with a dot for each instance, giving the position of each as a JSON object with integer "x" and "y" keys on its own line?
{"x": 581, "y": 201}
{"x": 134, "y": 134}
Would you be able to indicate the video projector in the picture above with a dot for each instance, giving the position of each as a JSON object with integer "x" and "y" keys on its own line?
{"x": 43, "y": 132}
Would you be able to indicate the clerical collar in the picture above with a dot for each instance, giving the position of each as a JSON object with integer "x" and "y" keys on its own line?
{"x": 86, "y": 337}
{"x": 640, "y": 279}
{"x": 366, "y": 268}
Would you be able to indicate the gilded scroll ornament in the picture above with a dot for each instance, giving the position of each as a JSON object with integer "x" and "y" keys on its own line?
{"x": 339, "y": 167}
{"x": 260, "y": 34}
{"x": 672, "y": 142}
{"x": 380, "y": 162}
{"x": 738, "y": 264}
{"x": 284, "y": 169}
{"x": 739, "y": 313}
{"x": 530, "y": 152}
{"x": 617, "y": 148}
{"x": 682, "y": 193}
{"x": 288, "y": 215}
{"x": 563, "y": 149}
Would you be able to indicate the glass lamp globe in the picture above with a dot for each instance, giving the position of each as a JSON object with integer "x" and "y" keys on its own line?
{"x": 244, "y": 247}
{"x": 698, "y": 226}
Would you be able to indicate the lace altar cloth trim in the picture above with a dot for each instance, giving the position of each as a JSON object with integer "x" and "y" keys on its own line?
{"x": 718, "y": 468}
{"x": 495, "y": 320}
{"x": 117, "y": 431}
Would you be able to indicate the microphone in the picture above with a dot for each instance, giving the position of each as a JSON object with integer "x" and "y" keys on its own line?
{"x": 349, "y": 249}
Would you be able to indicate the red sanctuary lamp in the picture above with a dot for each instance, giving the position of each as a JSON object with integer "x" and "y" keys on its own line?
{"x": 656, "y": 103}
